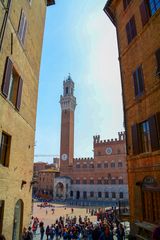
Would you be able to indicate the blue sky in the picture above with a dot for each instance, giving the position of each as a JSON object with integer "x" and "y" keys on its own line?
{"x": 79, "y": 39}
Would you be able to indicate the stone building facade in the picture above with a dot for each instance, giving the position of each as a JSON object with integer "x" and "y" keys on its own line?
{"x": 101, "y": 178}
{"x": 138, "y": 33}
{"x": 43, "y": 177}
{"x": 20, "y": 55}
{"x": 45, "y": 184}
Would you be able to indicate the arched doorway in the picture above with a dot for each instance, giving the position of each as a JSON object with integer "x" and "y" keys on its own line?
{"x": 18, "y": 219}
{"x": 60, "y": 190}
{"x": 150, "y": 199}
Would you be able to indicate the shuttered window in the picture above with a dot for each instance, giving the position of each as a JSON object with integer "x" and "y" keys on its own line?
{"x": 135, "y": 139}
{"x": 12, "y": 84}
{"x": 153, "y": 133}
{"x": 126, "y": 3}
{"x": 158, "y": 61}
{"x": 146, "y": 135}
{"x": 5, "y": 142}
{"x": 22, "y": 27}
{"x": 144, "y": 10}
{"x": 1, "y": 214}
{"x": 131, "y": 29}
{"x": 138, "y": 81}
{"x": 157, "y": 115}
{"x": 7, "y": 76}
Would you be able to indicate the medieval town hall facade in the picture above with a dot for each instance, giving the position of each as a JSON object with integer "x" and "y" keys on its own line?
{"x": 101, "y": 178}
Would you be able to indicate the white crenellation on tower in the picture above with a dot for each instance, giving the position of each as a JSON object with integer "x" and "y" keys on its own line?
{"x": 68, "y": 101}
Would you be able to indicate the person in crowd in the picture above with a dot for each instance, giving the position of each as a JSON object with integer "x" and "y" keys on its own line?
{"x": 41, "y": 225}
{"x": 120, "y": 232}
{"x": 47, "y": 231}
{"x": 52, "y": 232}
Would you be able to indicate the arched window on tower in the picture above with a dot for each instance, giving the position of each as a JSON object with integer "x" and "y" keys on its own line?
{"x": 66, "y": 90}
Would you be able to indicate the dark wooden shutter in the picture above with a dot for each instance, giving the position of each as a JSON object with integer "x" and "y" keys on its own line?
{"x": 158, "y": 125}
{"x": 158, "y": 60}
{"x": 19, "y": 94}
{"x": 153, "y": 133}
{"x": 135, "y": 83}
{"x": 135, "y": 139}
{"x": 128, "y": 32}
{"x": 24, "y": 29}
{"x": 140, "y": 79}
{"x": 133, "y": 27}
{"x": 144, "y": 10}
{"x": 7, "y": 77}
{"x": 21, "y": 23}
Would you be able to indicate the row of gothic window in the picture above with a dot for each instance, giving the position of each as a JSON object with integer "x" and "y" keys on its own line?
{"x": 99, "y": 194}
{"x": 100, "y": 165}
{"x": 99, "y": 181}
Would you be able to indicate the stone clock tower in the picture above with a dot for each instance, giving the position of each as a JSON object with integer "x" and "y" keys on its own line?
{"x": 68, "y": 104}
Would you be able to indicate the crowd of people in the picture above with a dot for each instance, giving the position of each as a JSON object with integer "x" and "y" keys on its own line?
{"x": 72, "y": 228}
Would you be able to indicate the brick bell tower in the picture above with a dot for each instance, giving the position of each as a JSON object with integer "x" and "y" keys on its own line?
{"x": 68, "y": 104}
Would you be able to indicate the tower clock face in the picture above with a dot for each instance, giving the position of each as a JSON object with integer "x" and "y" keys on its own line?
{"x": 64, "y": 156}
{"x": 108, "y": 150}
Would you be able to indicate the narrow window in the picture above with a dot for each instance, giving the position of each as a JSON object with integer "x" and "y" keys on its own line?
{"x": 121, "y": 195}
{"x": 84, "y": 181}
{"x": 1, "y": 214}
{"x": 120, "y": 181}
{"x": 5, "y": 142}
{"x": 144, "y": 11}
{"x": 106, "y": 195}
{"x": 138, "y": 81}
{"x": 113, "y": 181}
{"x": 99, "y": 194}
{"x": 66, "y": 90}
{"x": 12, "y": 84}
{"x": 99, "y": 181}
{"x": 120, "y": 164}
{"x": 91, "y": 181}
{"x": 22, "y": 27}
{"x": 153, "y": 126}
{"x": 85, "y": 195}
{"x": 105, "y": 165}
{"x": 77, "y": 165}
{"x": 158, "y": 61}
{"x": 145, "y": 136}
{"x": 131, "y": 29}
{"x": 91, "y": 165}
{"x": 99, "y": 165}
{"x": 112, "y": 164}
{"x": 113, "y": 195}
{"x": 77, "y": 181}
{"x": 106, "y": 181}
{"x": 91, "y": 194}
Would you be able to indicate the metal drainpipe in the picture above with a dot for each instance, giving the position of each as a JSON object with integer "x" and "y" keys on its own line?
{"x": 4, "y": 23}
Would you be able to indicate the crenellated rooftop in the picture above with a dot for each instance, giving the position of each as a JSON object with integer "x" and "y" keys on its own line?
{"x": 83, "y": 159}
{"x": 121, "y": 137}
